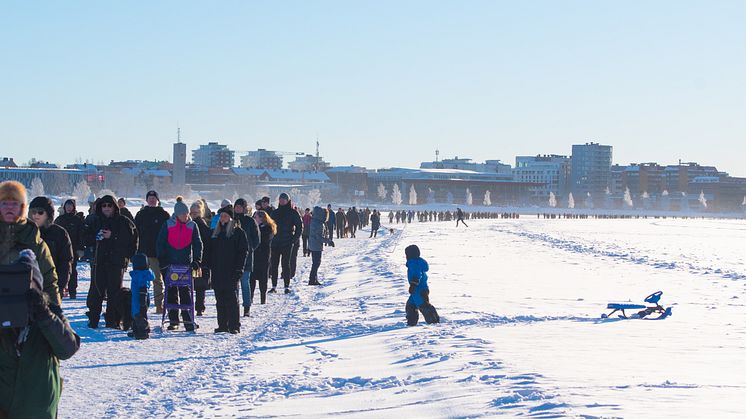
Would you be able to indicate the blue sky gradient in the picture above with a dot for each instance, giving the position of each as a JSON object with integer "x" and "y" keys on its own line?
{"x": 382, "y": 83}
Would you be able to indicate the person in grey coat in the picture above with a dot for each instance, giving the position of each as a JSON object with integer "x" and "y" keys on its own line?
{"x": 319, "y": 218}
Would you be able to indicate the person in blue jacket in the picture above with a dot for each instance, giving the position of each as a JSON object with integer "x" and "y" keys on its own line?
{"x": 419, "y": 292}
{"x": 142, "y": 277}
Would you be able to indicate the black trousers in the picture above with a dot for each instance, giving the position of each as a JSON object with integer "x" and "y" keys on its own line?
{"x": 179, "y": 295}
{"x": 353, "y": 228}
{"x": 315, "y": 263}
{"x": 373, "y": 232}
{"x": 261, "y": 279}
{"x": 330, "y": 231}
{"x": 306, "y": 252}
{"x": 72, "y": 286}
{"x": 278, "y": 254}
{"x": 227, "y": 308}
{"x": 294, "y": 259}
{"x": 106, "y": 282}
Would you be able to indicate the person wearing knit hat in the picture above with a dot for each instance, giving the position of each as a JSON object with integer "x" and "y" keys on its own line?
{"x": 179, "y": 244}
{"x": 224, "y": 203}
{"x": 228, "y": 209}
{"x": 149, "y": 220}
{"x": 41, "y": 212}
{"x": 17, "y": 232}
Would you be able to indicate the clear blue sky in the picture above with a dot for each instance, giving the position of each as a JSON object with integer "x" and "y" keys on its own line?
{"x": 382, "y": 83}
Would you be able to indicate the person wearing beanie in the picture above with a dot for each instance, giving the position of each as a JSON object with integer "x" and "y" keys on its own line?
{"x": 179, "y": 243}
{"x": 41, "y": 212}
{"x": 30, "y": 356}
{"x": 141, "y": 276}
{"x": 227, "y": 250}
{"x": 214, "y": 222}
{"x": 18, "y": 233}
{"x": 419, "y": 292}
{"x": 115, "y": 239}
{"x": 75, "y": 228}
{"x": 267, "y": 205}
{"x": 149, "y": 221}
{"x": 242, "y": 214}
{"x": 289, "y": 230}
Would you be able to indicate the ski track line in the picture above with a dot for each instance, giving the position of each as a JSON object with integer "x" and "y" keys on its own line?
{"x": 621, "y": 254}
{"x": 167, "y": 385}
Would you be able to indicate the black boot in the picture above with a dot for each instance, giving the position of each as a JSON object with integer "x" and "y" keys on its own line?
{"x": 246, "y": 310}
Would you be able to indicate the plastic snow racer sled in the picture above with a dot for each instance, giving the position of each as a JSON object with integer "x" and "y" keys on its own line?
{"x": 644, "y": 312}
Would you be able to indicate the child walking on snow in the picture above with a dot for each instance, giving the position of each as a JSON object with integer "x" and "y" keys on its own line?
{"x": 419, "y": 293}
{"x": 141, "y": 276}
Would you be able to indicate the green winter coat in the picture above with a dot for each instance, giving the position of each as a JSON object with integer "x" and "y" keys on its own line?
{"x": 30, "y": 384}
{"x": 25, "y": 235}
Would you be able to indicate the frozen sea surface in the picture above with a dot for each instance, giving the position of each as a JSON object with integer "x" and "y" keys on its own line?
{"x": 521, "y": 334}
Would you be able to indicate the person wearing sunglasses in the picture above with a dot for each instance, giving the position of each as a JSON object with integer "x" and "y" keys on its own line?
{"x": 115, "y": 240}
{"x": 56, "y": 238}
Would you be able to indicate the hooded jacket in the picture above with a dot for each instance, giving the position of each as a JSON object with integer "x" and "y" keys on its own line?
{"x": 73, "y": 225}
{"x": 119, "y": 248}
{"x": 289, "y": 226}
{"x": 149, "y": 221}
{"x": 316, "y": 233}
{"x": 417, "y": 275}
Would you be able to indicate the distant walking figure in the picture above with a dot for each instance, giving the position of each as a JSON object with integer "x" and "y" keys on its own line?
{"x": 460, "y": 217}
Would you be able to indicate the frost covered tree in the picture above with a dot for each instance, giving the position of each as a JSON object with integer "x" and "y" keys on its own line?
{"x": 589, "y": 201}
{"x": 449, "y": 197}
{"x": 81, "y": 191}
{"x": 382, "y": 192}
{"x": 412, "y": 195}
{"x": 314, "y": 197}
{"x": 486, "y": 201}
{"x": 570, "y": 201}
{"x": 396, "y": 195}
{"x": 104, "y": 192}
{"x": 469, "y": 198}
{"x": 702, "y": 200}
{"x": 552, "y": 200}
{"x": 628, "y": 198}
{"x": 37, "y": 188}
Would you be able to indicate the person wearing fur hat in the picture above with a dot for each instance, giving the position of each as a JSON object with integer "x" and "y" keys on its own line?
{"x": 115, "y": 240}
{"x": 179, "y": 243}
{"x": 30, "y": 383}
{"x": 41, "y": 212}
{"x": 149, "y": 221}
{"x": 18, "y": 233}
{"x": 75, "y": 228}
{"x": 289, "y": 230}
{"x": 227, "y": 250}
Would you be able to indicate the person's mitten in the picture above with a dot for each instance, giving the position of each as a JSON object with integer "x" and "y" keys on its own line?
{"x": 37, "y": 304}
{"x": 412, "y": 287}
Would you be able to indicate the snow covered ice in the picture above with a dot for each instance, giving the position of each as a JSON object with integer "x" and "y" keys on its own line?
{"x": 521, "y": 334}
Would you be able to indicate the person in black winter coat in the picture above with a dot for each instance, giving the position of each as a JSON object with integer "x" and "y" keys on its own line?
{"x": 353, "y": 220}
{"x": 149, "y": 221}
{"x": 296, "y": 246}
{"x": 242, "y": 215}
{"x": 289, "y": 230}
{"x": 341, "y": 219}
{"x": 41, "y": 212}
{"x": 123, "y": 211}
{"x": 75, "y": 228}
{"x": 262, "y": 255}
{"x": 227, "y": 257}
{"x": 375, "y": 223}
{"x": 202, "y": 283}
{"x": 115, "y": 240}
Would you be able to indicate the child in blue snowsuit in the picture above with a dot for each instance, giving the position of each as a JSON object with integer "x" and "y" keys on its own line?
{"x": 419, "y": 293}
{"x": 142, "y": 277}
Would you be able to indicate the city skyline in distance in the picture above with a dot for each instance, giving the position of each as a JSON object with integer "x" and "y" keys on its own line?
{"x": 381, "y": 85}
